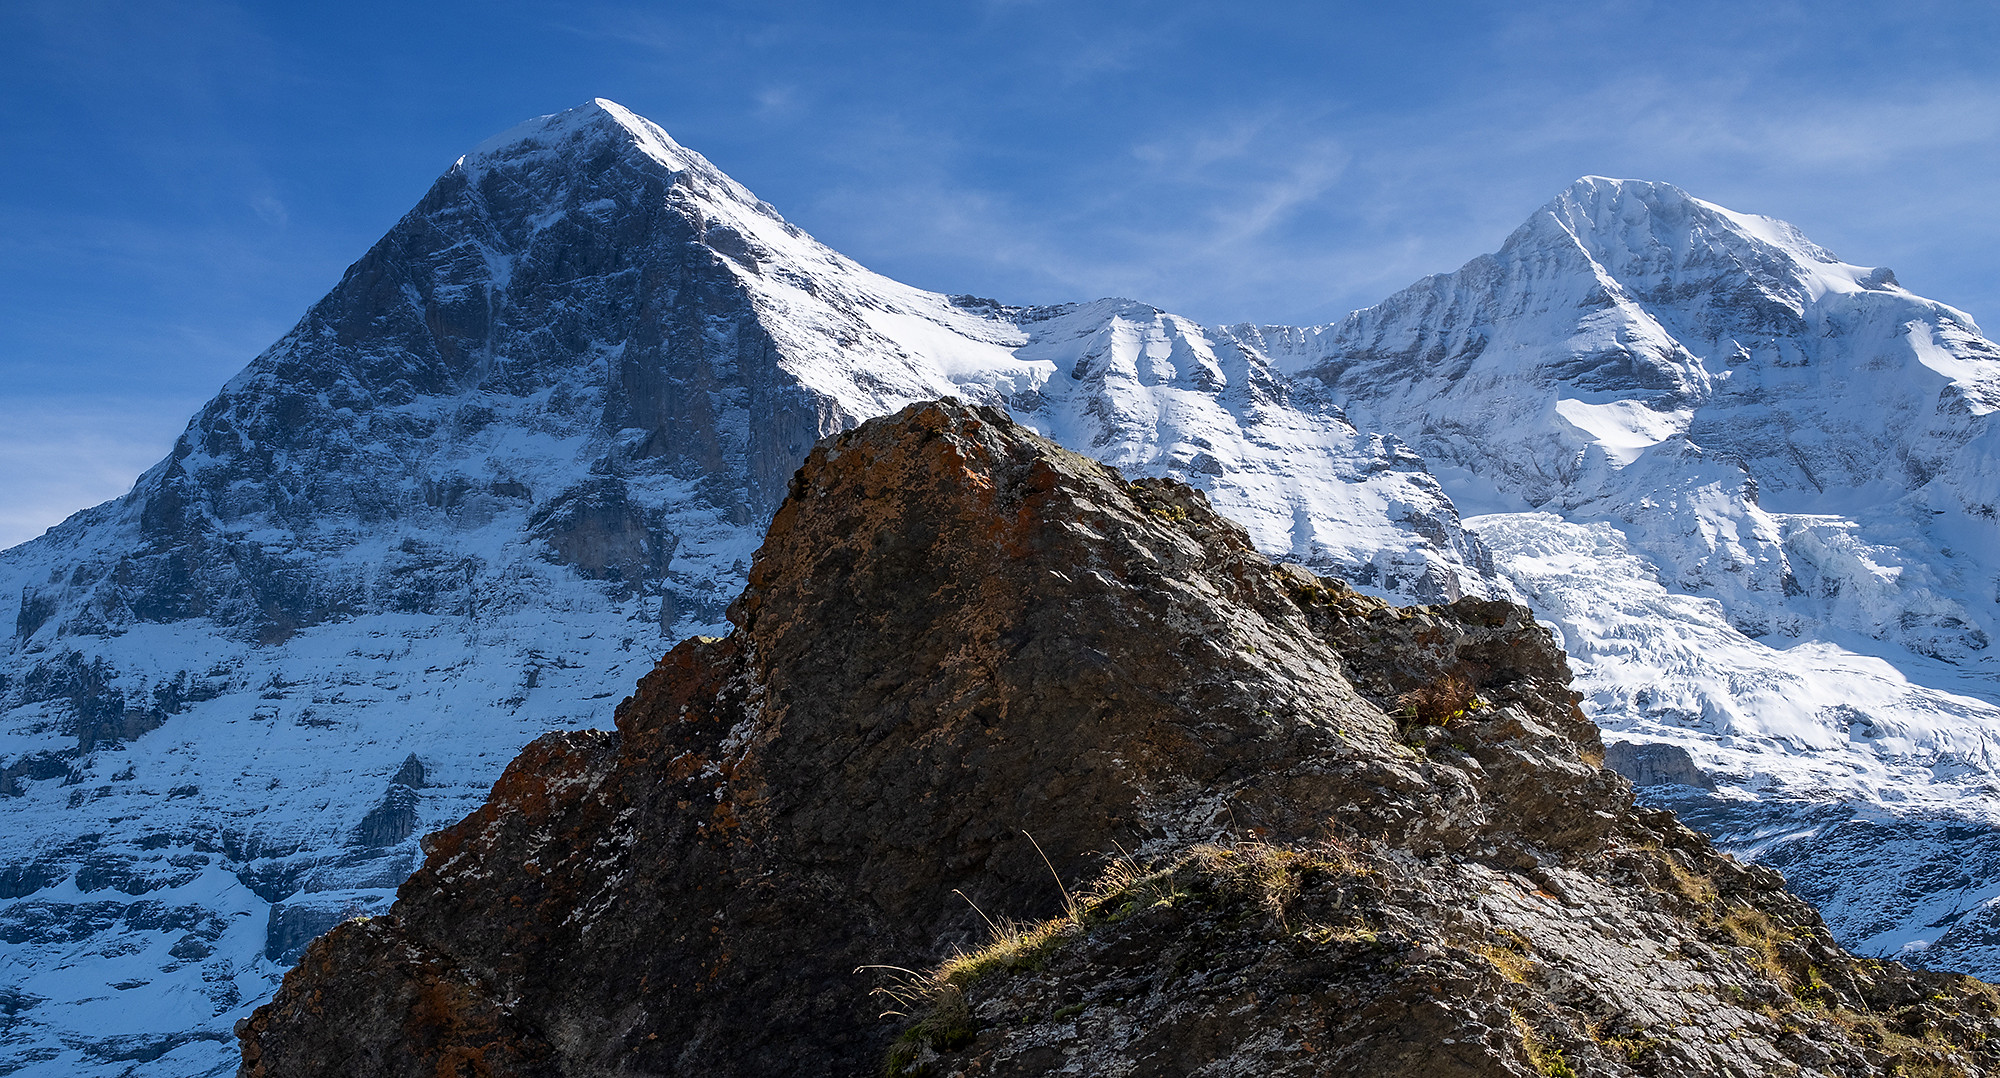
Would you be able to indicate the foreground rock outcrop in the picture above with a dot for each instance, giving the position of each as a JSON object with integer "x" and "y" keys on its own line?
{"x": 1250, "y": 821}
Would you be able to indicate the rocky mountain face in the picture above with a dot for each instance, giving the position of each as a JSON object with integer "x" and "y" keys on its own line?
{"x": 970, "y": 667}
{"x": 530, "y": 440}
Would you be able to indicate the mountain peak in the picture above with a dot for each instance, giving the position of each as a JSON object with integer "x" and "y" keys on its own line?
{"x": 592, "y": 122}
{"x": 1613, "y": 188}
{"x": 1617, "y": 218}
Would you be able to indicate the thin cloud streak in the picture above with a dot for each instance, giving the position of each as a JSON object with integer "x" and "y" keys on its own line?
{"x": 1422, "y": 194}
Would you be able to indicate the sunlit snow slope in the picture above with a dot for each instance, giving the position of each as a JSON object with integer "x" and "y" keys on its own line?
{"x": 1755, "y": 488}
{"x": 528, "y": 440}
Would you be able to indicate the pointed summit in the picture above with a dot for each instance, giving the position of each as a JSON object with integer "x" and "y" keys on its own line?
{"x": 597, "y": 118}
{"x": 1658, "y": 236}
{"x": 1623, "y": 312}
{"x": 575, "y": 140}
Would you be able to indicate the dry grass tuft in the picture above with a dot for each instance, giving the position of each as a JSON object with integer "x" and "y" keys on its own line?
{"x": 1271, "y": 876}
{"x": 1439, "y": 703}
{"x": 1510, "y": 956}
{"x": 1543, "y": 1053}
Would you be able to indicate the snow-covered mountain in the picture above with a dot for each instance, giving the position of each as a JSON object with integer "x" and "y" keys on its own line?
{"x": 528, "y": 440}
{"x": 1755, "y": 488}
{"x": 533, "y": 434}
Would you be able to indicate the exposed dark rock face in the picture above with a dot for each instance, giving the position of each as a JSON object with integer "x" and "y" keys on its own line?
{"x": 596, "y": 528}
{"x": 294, "y": 925}
{"x": 390, "y": 822}
{"x": 1362, "y": 839}
{"x": 423, "y": 344}
{"x": 1655, "y": 765}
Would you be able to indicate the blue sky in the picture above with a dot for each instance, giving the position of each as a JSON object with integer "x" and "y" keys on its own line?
{"x": 183, "y": 177}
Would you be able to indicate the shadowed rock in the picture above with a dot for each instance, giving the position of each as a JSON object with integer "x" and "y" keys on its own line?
{"x": 1656, "y": 765}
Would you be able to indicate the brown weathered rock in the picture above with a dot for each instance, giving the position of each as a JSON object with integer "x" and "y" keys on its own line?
{"x": 1360, "y": 839}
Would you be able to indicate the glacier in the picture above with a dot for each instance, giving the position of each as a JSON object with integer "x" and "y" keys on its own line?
{"x": 531, "y": 437}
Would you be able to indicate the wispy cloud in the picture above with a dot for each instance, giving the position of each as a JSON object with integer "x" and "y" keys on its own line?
{"x": 271, "y": 211}
{"x": 1223, "y": 219}
{"x": 1248, "y": 174}
{"x": 1299, "y": 204}
{"x": 777, "y": 100}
